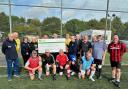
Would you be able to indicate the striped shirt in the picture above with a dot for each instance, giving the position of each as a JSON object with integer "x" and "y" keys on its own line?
{"x": 116, "y": 51}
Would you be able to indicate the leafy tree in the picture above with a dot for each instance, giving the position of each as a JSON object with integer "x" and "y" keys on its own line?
{"x": 4, "y": 22}
{"x": 92, "y": 24}
{"x": 74, "y": 26}
{"x": 102, "y": 23}
{"x": 117, "y": 26}
{"x": 51, "y": 25}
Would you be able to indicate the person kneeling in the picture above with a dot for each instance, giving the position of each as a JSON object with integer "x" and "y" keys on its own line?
{"x": 49, "y": 62}
{"x": 87, "y": 67}
{"x": 33, "y": 64}
{"x": 61, "y": 60}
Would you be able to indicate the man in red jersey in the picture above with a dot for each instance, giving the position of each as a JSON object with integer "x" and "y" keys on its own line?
{"x": 61, "y": 60}
{"x": 116, "y": 50}
{"x": 34, "y": 63}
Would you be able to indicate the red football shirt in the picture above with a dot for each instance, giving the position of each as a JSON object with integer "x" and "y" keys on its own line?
{"x": 62, "y": 59}
{"x": 33, "y": 63}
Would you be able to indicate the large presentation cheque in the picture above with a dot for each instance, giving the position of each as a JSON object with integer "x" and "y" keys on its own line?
{"x": 54, "y": 45}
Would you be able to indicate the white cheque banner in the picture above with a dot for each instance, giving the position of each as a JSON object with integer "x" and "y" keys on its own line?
{"x": 54, "y": 45}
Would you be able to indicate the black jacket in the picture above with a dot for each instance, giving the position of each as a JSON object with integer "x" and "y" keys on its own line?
{"x": 9, "y": 49}
{"x": 25, "y": 48}
{"x": 33, "y": 46}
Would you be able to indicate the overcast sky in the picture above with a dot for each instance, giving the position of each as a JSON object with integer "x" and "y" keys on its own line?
{"x": 41, "y": 13}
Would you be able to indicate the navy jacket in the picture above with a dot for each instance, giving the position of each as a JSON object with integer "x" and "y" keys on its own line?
{"x": 72, "y": 48}
{"x": 9, "y": 49}
{"x": 25, "y": 49}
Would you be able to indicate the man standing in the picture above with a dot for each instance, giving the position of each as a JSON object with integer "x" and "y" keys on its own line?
{"x": 72, "y": 51}
{"x": 99, "y": 50}
{"x": 9, "y": 49}
{"x": 116, "y": 50}
{"x": 85, "y": 46}
{"x": 78, "y": 42}
{"x": 16, "y": 35}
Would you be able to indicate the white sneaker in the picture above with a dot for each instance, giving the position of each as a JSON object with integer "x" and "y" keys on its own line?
{"x": 91, "y": 78}
{"x": 61, "y": 73}
{"x": 41, "y": 79}
{"x": 17, "y": 76}
{"x": 73, "y": 73}
{"x": 79, "y": 75}
{"x": 9, "y": 80}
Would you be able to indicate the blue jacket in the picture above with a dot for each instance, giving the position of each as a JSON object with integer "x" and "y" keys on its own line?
{"x": 9, "y": 49}
{"x": 72, "y": 48}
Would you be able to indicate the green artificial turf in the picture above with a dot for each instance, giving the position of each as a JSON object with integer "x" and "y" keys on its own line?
{"x": 61, "y": 83}
{"x": 124, "y": 59}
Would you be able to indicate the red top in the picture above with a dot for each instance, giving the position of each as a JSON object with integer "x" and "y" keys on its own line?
{"x": 116, "y": 51}
{"x": 62, "y": 59}
{"x": 33, "y": 62}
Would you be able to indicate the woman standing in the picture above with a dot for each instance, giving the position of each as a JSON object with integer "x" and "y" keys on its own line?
{"x": 34, "y": 44}
{"x": 25, "y": 49}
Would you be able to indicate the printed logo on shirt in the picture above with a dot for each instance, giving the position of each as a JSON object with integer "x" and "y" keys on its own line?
{"x": 9, "y": 46}
{"x": 118, "y": 47}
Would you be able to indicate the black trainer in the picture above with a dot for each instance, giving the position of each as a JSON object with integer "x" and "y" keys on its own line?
{"x": 99, "y": 77}
{"x": 54, "y": 77}
{"x": 117, "y": 84}
{"x": 112, "y": 80}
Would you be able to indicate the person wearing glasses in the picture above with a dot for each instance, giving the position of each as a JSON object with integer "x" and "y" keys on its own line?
{"x": 34, "y": 64}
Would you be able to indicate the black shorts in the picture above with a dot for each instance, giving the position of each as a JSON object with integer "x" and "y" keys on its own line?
{"x": 98, "y": 61}
{"x": 116, "y": 64}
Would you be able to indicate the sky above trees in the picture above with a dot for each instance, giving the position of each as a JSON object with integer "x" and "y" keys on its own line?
{"x": 41, "y": 13}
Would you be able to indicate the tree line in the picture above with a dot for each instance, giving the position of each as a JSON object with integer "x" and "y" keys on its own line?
{"x": 52, "y": 25}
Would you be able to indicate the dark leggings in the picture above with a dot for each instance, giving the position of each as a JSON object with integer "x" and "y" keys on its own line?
{"x": 75, "y": 68}
{"x": 25, "y": 58}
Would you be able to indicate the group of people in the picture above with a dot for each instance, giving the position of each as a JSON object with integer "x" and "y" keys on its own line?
{"x": 82, "y": 57}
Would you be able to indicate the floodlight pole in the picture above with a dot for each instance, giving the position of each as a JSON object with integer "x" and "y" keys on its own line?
{"x": 106, "y": 27}
{"x": 61, "y": 31}
{"x": 110, "y": 23}
{"x": 10, "y": 18}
